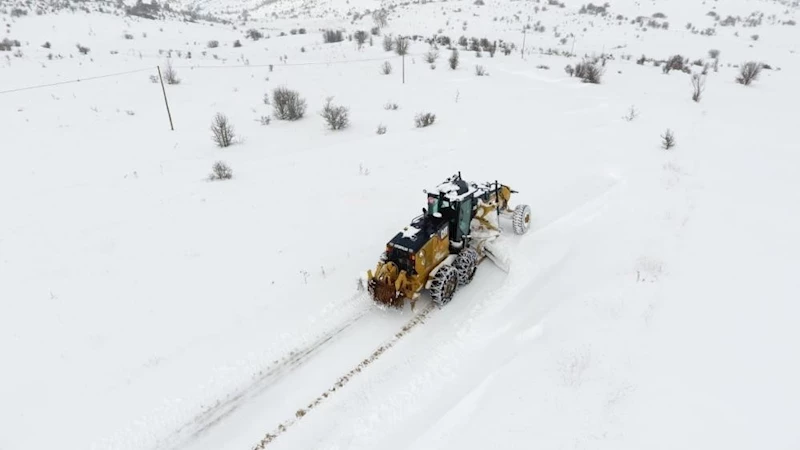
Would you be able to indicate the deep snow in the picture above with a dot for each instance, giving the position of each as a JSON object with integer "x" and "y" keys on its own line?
{"x": 144, "y": 306}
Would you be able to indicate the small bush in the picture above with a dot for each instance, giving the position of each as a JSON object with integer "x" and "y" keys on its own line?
{"x": 570, "y": 70}
{"x": 254, "y": 34}
{"x": 391, "y": 106}
{"x": 220, "y": 171}
{"x": 361, "y": 37}
{"x": 83, "y": 50}
{"x": 46, "y": 45}
{"x": 431, "y": 56}
{"x": 287, "y": 104}
{"x": 480, "y": 70}
{"x": 222, "y": 131}
{"x": 713, "y": 54}
{"x": 332, "y": 36}
{"x": 128, "y": 36}
{"x": 423, "y": 120}
{"x": 213, "y": 44}
{"x": 668, "y": 140}
{"x": 748, "y": 73}
{"x": 698, "y": 86}
{"x": 589, "y": 72}
{"x": 631, "y": 114}
{"x": 386, "y": 68}
{"x": 237, "y": 43}
{"x": 170, "y": 74}
{"x": 388, "y": 43}
{"x": 401, "y": 45}
{"x": 381, "y": 129}
{"x": 675, "y": 62}
{"x": 453, "y": 60}
{"x": 337, "y": 117}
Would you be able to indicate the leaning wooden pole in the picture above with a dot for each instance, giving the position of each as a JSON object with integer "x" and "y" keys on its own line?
{"x": 164, "y": 91}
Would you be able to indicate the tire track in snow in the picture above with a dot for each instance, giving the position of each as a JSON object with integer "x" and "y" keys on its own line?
{"x": 343, "y": 380}
{"x": 206, "y": 419}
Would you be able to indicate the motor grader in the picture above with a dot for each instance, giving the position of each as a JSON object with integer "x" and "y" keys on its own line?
{"x": 440, "y": 250}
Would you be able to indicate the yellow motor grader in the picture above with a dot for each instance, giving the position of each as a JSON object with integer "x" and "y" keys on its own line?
{"x": 441, "y": 249}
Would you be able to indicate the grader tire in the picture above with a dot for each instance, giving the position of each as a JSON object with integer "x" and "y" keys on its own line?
{"x": 466, "y": 264}
{"x": 444, "y": 285}
{"x": 522, "y": 219}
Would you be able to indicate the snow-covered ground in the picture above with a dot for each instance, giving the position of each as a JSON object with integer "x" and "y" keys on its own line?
{"x": 146, "y": 307}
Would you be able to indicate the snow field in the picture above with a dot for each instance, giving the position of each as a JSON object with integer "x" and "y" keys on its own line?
{"x": 146, "y": 301}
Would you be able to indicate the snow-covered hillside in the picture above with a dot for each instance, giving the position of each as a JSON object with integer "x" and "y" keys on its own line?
{"x": 145, "y": 306}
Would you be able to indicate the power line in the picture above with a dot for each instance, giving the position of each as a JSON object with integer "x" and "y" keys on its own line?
{"x": 309, "y": 63}
{"x": 79, "y": 80}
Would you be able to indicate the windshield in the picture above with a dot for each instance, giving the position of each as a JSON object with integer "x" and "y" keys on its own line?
{"x": 434, "y": 206}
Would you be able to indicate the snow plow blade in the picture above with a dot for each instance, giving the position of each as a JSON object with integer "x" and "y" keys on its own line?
{"x": 499, "y": 255}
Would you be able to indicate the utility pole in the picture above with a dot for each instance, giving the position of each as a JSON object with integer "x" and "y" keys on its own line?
{"x": 524, "y": 35}
{"x": 164, "y": 91}
{"x": 404, "y": 67}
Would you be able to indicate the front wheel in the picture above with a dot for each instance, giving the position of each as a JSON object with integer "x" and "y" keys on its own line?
{"x": 522, "y": 219}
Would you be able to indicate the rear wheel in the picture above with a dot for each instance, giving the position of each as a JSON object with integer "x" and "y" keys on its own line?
{"x": 466, "y": 264}
{"x": 444, "y": 285}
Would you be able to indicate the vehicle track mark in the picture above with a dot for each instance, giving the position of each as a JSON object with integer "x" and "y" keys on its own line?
{"x": 206, "y": 419}
{"x": 346, "y": 378}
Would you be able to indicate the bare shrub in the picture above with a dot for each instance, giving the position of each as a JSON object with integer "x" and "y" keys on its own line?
{"x": 380, "y": 17}
{"x": 713, "y": 53}
{"x": 675, "y": 62}
{"x": 589, "y": 72}
{"x": 220, "y": 171}
{"x": 698, "y": 86}
{"x": 337, "y": 117}
{"x": 570, "y": 70}
{"x": 480, "y": 70}
{"x": 287, "y": 104}
{"x": 381, "y": 129}
{"x": 388, "y": 43}
{"x": 213, "y": 44}
{"x": 631, "y": 115}
{"x": 668, "y": 140}
{"x": 128, "y": 37}
{"x": 332, "y": 36}
{"x": 401, "y": 45}
{"x": 222, "y": 131}
{"x": 83, "y": 50}
{"x": 391, "y": 106}
{"x": 748, "y": 73}
{"x": 170, "y": 74}
{"x": 386, "y": 68}
{"x": 431, "y": 56}
{"x": 361, "y": 37}
{"x": 254, "y": 34}
{"x": 453, "y": 60}
{"x": 423, "y": 120}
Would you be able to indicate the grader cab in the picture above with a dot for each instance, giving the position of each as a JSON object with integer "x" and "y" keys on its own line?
{"x": 441, "y": 249}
